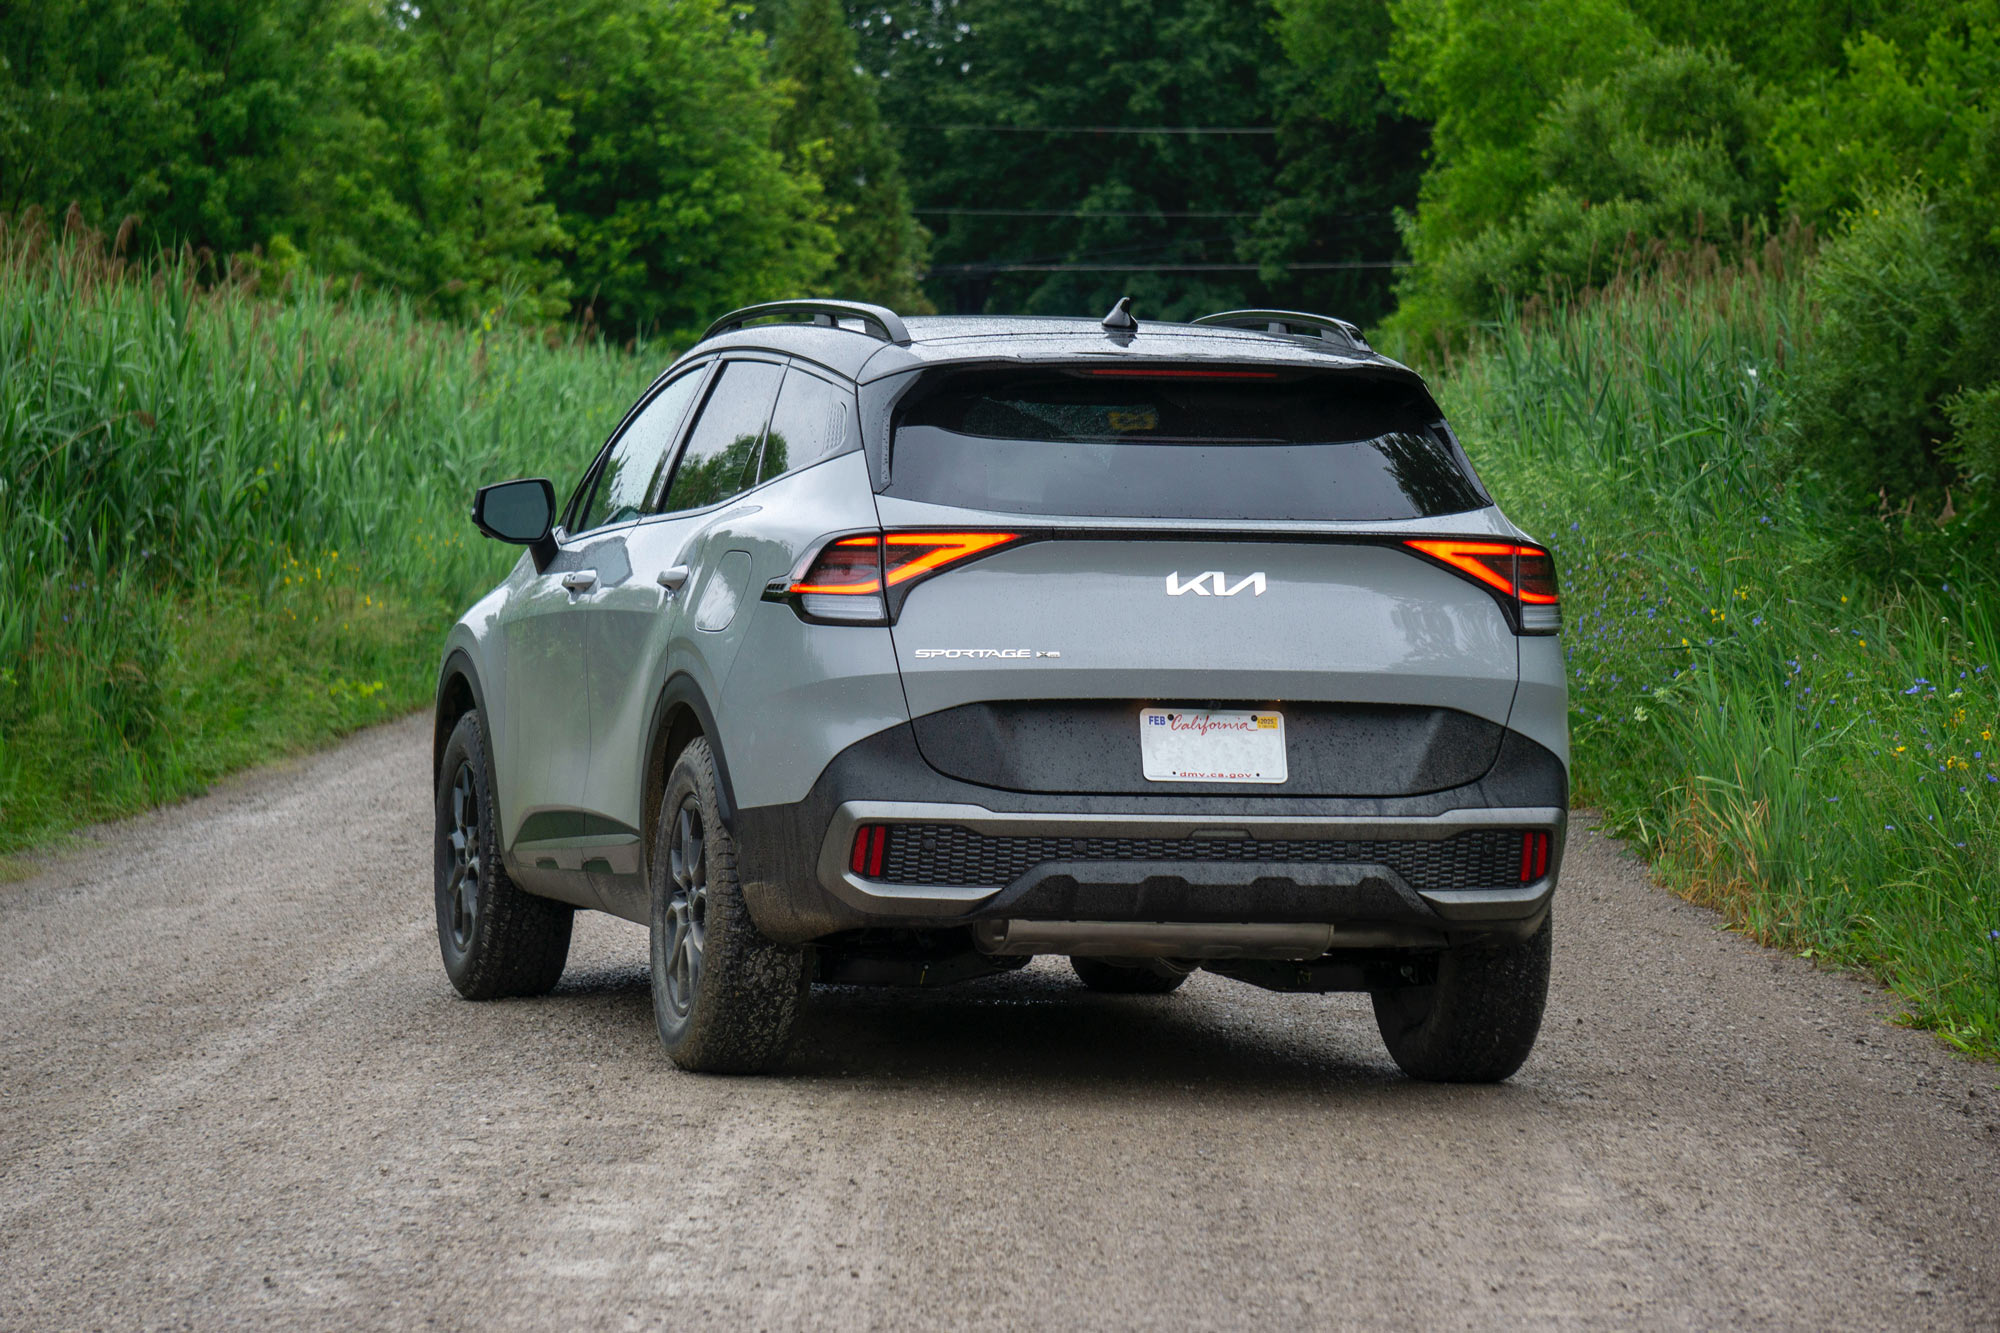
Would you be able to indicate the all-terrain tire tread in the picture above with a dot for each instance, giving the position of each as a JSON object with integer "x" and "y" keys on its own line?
{"x": 752, "y": 989}
{"x": 521, "y": 941}
{"x": 1478, "y": 1023}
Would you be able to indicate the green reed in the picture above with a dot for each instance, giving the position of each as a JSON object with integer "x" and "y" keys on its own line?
{"x": 1794, "y": 711}
{"x": 231, "y": 526}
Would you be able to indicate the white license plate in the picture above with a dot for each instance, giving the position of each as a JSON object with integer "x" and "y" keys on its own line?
{"x": 1189, "y": 745}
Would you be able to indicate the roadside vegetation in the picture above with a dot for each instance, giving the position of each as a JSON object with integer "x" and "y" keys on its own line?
{"x": 233, "y": 527}
{"x": 1715, "y": 294}
{"x": 1793, "y": 710}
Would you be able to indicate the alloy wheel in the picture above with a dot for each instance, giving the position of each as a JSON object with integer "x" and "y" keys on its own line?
{"x": 687, "y": 908}
{"x": 462, "y": 888}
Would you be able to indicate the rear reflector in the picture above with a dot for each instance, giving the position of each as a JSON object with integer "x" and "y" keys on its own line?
{"x": 1534, "y": 856}
{"x": 1524, "y": 575}
{"x": 870, "y": 842}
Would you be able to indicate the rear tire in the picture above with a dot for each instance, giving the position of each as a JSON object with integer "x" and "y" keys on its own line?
{"x": 497, "y": 938}
{"x": 1140, "y": 976}
{"x": 725, "y": 998}
{"x": 1477, "y": 1022}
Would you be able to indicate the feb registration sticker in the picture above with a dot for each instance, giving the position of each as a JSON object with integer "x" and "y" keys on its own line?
{"x": 1185, "y": 745}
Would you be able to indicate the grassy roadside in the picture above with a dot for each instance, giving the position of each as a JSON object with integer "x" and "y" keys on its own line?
{"x": 1794, "y": 713}
{"x": 233, "y": 528}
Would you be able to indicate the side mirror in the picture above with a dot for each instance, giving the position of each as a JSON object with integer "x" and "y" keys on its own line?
{"x": 519, "y": 512}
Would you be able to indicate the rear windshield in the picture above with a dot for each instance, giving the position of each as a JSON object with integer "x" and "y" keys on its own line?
{"x": 1326, "y": 447}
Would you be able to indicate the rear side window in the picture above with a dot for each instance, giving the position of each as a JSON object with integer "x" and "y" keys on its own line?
{"x": 810, "y": 424}
{"x": 1254, "y": 445}
{"x": 720, "y": 459}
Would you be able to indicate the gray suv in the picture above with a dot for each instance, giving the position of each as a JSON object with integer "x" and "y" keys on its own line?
{"x": 885, "y": 651}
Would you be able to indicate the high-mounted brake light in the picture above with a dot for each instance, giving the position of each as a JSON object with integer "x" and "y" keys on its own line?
{"x": 1524, "y": 575}
{"x": 1122, "y": 374}
{"x": 848, "y": 578}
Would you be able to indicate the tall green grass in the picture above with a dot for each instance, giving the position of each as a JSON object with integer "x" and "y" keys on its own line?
{"x": 1794, "y": 711}
{"x": 230, "y": 527}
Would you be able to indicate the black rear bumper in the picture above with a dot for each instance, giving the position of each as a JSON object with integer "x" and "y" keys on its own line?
{"x": 1432, "y": 868}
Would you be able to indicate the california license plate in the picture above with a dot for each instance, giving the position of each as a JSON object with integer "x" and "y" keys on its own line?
{"x": 1189, "y": 745}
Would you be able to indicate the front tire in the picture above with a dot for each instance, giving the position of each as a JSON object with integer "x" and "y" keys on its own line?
{"x": 1478, "y": 1020}
{"x": 497, "y": 938}
{"x": 725, "y": 998}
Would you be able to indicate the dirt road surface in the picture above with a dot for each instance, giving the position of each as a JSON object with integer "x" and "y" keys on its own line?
{"x": 237, "y": 1091}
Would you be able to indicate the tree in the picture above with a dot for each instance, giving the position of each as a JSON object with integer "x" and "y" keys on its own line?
{"x": 190, "y": 114}
{"x": 675, "y": 201}
{"x": 1348, "y": 158}
{"x": 833, "y": 129}
{"x": 430, "y": 175}
{"x": 985, "y": 95}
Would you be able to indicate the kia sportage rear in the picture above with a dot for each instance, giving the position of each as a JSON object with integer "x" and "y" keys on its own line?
{"x": 1157, "y": 646}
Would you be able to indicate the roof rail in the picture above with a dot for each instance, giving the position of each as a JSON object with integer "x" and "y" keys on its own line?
{"x": 876, "y": 320}
{"x": 1287, "y": 321}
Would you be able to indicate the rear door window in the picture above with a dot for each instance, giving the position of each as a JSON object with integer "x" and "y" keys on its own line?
{"x": 724, "y": 445}
{"x": 1244, "y": 444}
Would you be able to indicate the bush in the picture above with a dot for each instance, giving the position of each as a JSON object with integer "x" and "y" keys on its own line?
{"x": 1664, "y": 152}
{"x": 1899, "y": 396}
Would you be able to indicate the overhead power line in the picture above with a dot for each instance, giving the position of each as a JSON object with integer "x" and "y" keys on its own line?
{"x": 1163, "y": 268}
{"x": 1081, "y": 213}
{"x": 1102, "y": 129}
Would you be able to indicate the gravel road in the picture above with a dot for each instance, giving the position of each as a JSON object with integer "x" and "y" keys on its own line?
{"x": 236, "y": 1089}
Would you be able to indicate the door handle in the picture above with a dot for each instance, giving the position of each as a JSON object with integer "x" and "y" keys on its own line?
{"x": 580, "y": 581}
{"x": 673, "y": 580}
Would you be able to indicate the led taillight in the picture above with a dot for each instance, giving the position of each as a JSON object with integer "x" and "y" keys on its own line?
{"x": 871, "y": 843}
{"x": 1525, "y": 575}
{"x": 850, "y": 567}
{"x": 1534, "y": 856}
{"x": 847, "y": 579}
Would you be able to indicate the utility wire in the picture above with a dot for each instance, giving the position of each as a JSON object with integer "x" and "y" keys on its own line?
{"x": 1164, "y": 268}
{"x": 1081, "y": 213}
{"x": 1102, "y": 129}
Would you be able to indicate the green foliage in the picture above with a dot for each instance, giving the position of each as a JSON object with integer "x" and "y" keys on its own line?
{"x": 1668, "y": 148}
{"x": 1799, "y": 739}
{"x": 190, "y": 114}
{"x": 1483, "y": 71}
{"x": 1887, "y": 120}
{"x": 1900, "y": 395}
{"x": 233, "y": 526}
{"x": 673, "y": 190}
{"x": 430, "y": 178}
{"x": 833, "y": 129}
{"x": 952, "y": 71}
{"x": 1348, "y": 158}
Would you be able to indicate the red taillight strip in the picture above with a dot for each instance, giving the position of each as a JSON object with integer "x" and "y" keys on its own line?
{"x": 1470, "y": 558}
